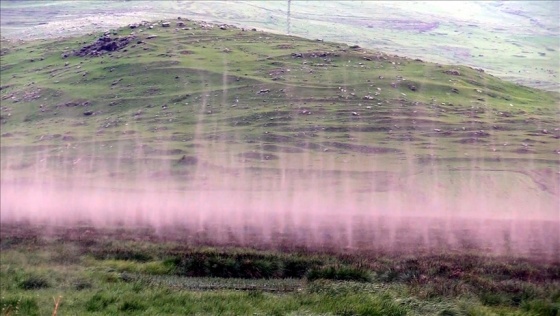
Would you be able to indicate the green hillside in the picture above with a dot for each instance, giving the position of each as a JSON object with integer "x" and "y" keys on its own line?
{"x": 244, "y": 83}
{"x": 193, "y": 104}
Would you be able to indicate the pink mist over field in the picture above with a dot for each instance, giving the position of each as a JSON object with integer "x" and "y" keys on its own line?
{"x": 432, "y": 210}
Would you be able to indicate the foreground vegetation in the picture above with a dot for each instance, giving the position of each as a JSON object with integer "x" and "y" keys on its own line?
{"x": 104, "y": 275}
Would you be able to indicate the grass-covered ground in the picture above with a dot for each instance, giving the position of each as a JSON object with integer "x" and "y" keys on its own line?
{"x": 199, "y": 108}
{"x": 100, "y": 272}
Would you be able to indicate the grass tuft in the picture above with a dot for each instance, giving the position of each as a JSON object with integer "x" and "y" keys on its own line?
{"x": 542, "y": 308}
{"x": 19, "y": 306}
{"x": 34, "y": 283}
{"x": 341, "y": 273}
{"x": 99, "y": 302}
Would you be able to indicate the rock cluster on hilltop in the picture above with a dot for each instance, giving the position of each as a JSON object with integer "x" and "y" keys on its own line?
{"x": 104, "y": 44}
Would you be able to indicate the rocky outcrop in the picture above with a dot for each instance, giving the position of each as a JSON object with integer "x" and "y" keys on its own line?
{"x": 104, "y": 45}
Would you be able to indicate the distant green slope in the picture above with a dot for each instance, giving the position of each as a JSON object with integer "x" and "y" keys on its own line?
{"x": 218, "y": 82}
{"x": 514, "y": 40}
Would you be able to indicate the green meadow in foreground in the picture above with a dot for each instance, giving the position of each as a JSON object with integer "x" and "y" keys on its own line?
{"x": 95, "y": 272}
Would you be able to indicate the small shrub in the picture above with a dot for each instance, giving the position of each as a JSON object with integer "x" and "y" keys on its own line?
{"x": 82, "y": 285}
{"x": 111, "y": 277}
{"x": 448, "y": 312}
{"x": 390, "y": 275}
{"x": 491, "y": 298}
{"x": 542, "y": 308}
{"x": 260, "y": 268}
{"x": 158, "y": 268}
{"x": 132, "y": 306}
{"x": 20, "y": 306}
{"x": 297, "y": 268}
{"x": 122, "y": 254}
{"x": 227, "y": 266}
{"x": 34, "y": 283}
{"x": 98, "y": 302}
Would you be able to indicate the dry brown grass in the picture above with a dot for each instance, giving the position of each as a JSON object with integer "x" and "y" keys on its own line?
{"x": 56, "y": 305}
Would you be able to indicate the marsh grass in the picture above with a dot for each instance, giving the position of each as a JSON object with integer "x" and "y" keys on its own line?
{"x": 238, "y": 281}
{"x": 340, "y": 273}
{"x": 34, "y": 283}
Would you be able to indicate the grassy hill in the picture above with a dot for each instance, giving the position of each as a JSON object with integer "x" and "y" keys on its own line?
{"x": 515, "y": 40}
{"x": 178, "y": 89}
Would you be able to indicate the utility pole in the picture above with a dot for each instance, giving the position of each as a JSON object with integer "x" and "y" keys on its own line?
{"x": 288, "y": 17}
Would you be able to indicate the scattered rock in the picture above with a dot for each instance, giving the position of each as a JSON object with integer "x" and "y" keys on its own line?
{"x": 188, "y": 160}
{"x": 412, "y": 87}
{"x": 88, "y": 113}
{"x": 453, "y": 72}
{"x": 165, "y": 24}
{"x": 315, "y": 54}
{"x": 258, "y": 156}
